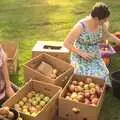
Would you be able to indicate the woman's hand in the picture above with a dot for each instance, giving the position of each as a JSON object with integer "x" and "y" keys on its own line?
{"x": 86, "y": 56}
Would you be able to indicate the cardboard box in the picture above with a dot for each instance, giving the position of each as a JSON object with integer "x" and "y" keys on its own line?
{"x": 53, "y": 48}
{"x": 49, "y": 110}
{"x": 64, "y": 68}
{"x": 11, "y": 50}
{"x": 86, "y": 112}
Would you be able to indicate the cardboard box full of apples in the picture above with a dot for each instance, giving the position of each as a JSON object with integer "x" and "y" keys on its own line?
{"x": 82, "y": 98}
{"x": 36, "y": 100}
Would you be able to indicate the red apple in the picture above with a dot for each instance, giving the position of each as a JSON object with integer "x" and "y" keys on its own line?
{"x": 86, "y": 101}
{"x": 74, "y": 82}
{"x": 92, "y": 91}
{"x": 81, "y": 83}
{"x": 92, "y": 85}
{"x": 94, "y": 100}
{"x": 80, "y": 97}
{"x": 78, "y": 89}
{"x": 71, "y": 88}
{"x": 68, "y": 98}
{"x": 87, "y": 95}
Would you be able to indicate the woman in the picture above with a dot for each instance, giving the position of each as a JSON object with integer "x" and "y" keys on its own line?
{"x": 83, "y": 42}
{"x": 5, "y": 84}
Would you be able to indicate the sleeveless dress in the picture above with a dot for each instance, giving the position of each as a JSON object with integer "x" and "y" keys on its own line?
{"x": 3, "y": 58}
{"x": 89, "y": 42}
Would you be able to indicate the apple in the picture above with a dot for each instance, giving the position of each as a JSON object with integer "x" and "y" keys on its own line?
{"x": 93, "y": 96}
{"x": 37, "y": 99}
{"x": 74, "y": 95}
{"x": 46, "y": 99}
{"x": 75, "y": 100}
{"x": 16, "y": 106}
{"x": 34, "y": 114}
{"x": 71, "y": 88}
{"x": 68, "y": 98}
{"x": 30, "y": 100}
{"x": 81, "y": 83}
{"x": 37, "y": 95}
{"x": 24, "y": 110}
{"x": 92, "y": 91}
{"x": 81, "y": 93}
{"x": 86, "y": 91}
{"x": 21, "y": 103}
{"x": 24, "y": 99}
{"x": 92, "y": 85}
{"x": 94, "y": 100}
{"x": 28, "y": 104}
{"x": 80, "y": 97}
{"x": 24, "y": 107}
{"x": 42, "y": 96}
{"x": 78, "y": 89}
{"x": 42, "y": 103}
{"x": 33, "y": 109}
{"x": 74, "y": 82}
{"x": 34, "y": 103}
{"x": 38, "y": 107}
{"x": 87, "y": 95}
{"x": 86, "y": 87}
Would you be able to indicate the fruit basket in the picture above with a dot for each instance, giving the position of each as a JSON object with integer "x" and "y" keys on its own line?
{"x": 35, "y": 100}
{"x": 82, "y": 98}
{"x": 106, "y": 51}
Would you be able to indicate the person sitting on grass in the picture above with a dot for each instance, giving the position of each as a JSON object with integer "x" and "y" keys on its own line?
{"x": 5, "y": 84}
{"x": 83, "y": 43}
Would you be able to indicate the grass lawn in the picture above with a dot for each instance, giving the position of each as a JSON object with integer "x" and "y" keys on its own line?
{"x": 27, "y": 21}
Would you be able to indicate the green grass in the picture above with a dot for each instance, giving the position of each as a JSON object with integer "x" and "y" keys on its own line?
{"x": 27, "y": 21}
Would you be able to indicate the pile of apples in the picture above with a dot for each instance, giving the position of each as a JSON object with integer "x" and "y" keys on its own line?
{"x": 6, "y": 114}
{"x": 32, "y": 103}
{"x": 85, "y": 91}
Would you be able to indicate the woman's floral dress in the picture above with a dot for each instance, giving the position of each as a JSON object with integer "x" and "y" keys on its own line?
{"x": 89, "y": 42}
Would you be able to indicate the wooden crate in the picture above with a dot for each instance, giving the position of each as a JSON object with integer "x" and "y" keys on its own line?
{"x": 11, "y": 50}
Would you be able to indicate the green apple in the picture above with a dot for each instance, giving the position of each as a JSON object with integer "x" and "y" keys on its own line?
{"x": 42, "y": 96}
{"x": 42, "y": 103}
{"x": 24, "y": 99}
{"x": 46, "y": 99}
